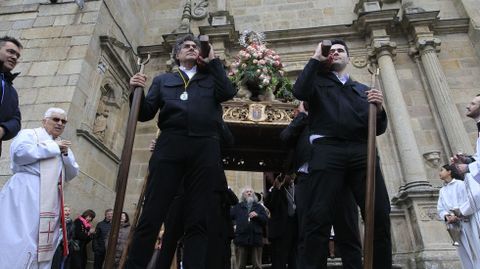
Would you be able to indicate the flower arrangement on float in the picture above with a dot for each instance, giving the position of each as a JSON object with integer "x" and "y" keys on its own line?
{"x": 258, "y": 71}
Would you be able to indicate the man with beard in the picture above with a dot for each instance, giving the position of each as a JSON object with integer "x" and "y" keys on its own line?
{"x": 10, "y": 117}
{"x": 338, "y": 122}
{"x": 249, "y": 218}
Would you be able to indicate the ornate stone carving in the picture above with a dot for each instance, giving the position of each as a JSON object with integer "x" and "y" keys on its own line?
{"x": 200, "y": 10}
{"x": 100, "y": 124}
{"x": 432, "y": 158}
{"x": 429, "y": 213}
{"x": 184, "y": 26}
{"x": 359, "y": 61}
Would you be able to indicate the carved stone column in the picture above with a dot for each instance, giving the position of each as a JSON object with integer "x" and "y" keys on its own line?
{"x": 375, "y": 26}
{"x": 412, "y": 163}
{"x": 417, "y": 235}
{"x": 428, "y": 46}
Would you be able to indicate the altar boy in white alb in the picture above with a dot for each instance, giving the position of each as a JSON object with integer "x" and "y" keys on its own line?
{"x": 30, "y": 201}
{"x": 455, "y": 208}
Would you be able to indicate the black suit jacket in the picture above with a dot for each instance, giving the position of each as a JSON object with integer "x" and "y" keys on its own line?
{"x": 296, "y": 137}
{"x": 201, "y": 114}
{"x": 276, "y": 201}
{"x": 10, "y": 116}
{"x": 336, "y": 110}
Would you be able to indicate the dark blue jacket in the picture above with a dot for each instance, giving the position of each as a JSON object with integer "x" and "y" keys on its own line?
{"x": 336, "y": 110}
{"x": 10, "y": 116}
{"x": 201, "y": 114}
{"x": 248, "y": 233}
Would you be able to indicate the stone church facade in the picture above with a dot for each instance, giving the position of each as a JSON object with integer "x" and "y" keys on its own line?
{"x": 428, "y": 52}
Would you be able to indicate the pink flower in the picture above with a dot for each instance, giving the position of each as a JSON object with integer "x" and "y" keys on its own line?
{"x": 255, "y": 61}
{"x": 259, "y": 71}
{"x": 261, "y": 62}
{"x": 244, "y": 65}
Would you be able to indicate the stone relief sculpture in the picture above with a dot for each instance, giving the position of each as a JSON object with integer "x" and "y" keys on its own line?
{"x": 101, "y": 117}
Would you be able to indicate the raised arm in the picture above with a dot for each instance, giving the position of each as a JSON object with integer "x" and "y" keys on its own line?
{"x": 223, "y": 88}
{"x": 25, "y": 149}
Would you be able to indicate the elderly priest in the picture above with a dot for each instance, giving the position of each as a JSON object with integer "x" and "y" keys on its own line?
{"x": 31, "y": 201}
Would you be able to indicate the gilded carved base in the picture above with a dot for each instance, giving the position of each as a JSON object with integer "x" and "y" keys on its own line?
{"x": 246, "y": 112}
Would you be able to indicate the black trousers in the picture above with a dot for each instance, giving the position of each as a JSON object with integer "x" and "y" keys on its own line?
{"x": 176, "y": 158}
{"x": 337, "y": 166}
{"x": 218, "y": 251}
{"x": 284, "y": 248}
{"x": 98, "y": 259}
{"x": 347, "y": 237}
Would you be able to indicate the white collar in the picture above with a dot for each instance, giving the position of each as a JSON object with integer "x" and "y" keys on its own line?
{"x": 343, "y": 78}
{"x": 451, "y": 182}
{"x": 190, "y": 73}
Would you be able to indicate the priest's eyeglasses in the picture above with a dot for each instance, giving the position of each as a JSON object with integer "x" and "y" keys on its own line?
{"x": 64, "y": 121}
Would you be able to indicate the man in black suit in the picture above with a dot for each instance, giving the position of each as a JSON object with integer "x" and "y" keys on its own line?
{"x": 338, "y": 122}
{"x": 187, "y": 151}
{"x": 347, "y": 239}
{"x": 10, "y": 117}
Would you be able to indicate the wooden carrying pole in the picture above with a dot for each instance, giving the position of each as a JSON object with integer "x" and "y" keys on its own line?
{"x": 123, "y": 170}
{"x": 370, "y": 181}
{"x": 136, "y": 216}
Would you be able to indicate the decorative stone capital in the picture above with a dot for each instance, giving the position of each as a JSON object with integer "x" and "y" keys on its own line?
{"x": 428, "y": 43}
{"x": 419, "y": 24}
{"x": 381, "y": 47}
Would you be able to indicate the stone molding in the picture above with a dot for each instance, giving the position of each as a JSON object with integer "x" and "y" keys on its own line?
{"x": 383, "y": 19}
{"x": 98, "y": 144}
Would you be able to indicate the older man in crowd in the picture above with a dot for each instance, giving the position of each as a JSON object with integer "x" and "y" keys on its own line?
{"x": 31, "y": 200}
{"x": 249, "y": 219}
{"x": 10, "y": 117}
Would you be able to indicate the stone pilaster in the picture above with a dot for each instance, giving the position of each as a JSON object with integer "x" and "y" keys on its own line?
{"x": 427, "y": 46}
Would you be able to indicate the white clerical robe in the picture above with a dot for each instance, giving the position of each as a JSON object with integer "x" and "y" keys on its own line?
{"x": 20, "y": 201}
{"x": 456, "y": 195}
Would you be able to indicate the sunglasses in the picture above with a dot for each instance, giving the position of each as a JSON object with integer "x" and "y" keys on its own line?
{"x": 64, "y": 121}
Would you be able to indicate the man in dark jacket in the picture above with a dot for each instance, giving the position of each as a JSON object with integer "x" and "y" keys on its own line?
{"x": 338, "y": 122}
{"x": 187, "y": 151}
{"x": 282, "y": 225}
{"x": 10, "y": 117}
{"x": 249, "y": 218}
{"x": 101, "y": 232}
{"x": 347, "y": 237}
